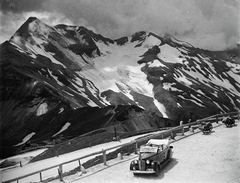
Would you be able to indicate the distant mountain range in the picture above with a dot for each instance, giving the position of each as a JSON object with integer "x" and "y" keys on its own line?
{"x": 63, "y": 81}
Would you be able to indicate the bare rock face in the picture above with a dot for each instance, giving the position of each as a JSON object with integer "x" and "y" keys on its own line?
{"x": 64, "y": 81}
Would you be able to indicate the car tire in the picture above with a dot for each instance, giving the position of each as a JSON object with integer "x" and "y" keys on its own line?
{"x": 169, "y": 155}
{"x": 156, "y": 170}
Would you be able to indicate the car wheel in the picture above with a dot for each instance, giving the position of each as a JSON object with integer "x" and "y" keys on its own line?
{"x": 169, "y": 155}
{"x": 156, "y": 170}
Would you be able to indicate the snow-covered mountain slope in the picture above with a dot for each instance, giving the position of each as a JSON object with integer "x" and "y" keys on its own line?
{"x": 49, "y": 74}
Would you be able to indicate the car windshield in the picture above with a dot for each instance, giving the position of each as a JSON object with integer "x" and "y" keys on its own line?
{"x": 147, "y": 154}
{"x": 148, "y": 149}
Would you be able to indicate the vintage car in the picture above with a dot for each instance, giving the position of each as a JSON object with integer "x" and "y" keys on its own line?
{"x": 228, "y": 121}
{"x": 152, "y": 157}
{"x": 205, "y": 127}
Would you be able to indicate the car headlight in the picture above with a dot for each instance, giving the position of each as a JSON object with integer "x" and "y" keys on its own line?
{"x": 136, "y": 162}
{"x": 148, "y": 162}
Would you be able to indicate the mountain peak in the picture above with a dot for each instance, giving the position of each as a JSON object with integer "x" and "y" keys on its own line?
{"x": 31, "y": 19}
{"x": 24, "y": 28}
{"x": 32, "y": 25}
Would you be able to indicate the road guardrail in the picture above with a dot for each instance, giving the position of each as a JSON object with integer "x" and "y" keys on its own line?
{"x": 172, "y": 131}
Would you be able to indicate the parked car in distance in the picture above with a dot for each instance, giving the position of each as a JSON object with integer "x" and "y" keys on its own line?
{"x": 228, "y": 121}
{"x": 152, "y": 157}
{"x": 205, "y": 127}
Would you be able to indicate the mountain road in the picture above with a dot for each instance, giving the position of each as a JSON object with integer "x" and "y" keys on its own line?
{"x": 198, "y": 158}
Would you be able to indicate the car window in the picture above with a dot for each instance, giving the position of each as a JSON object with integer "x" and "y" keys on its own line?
{"x": 147, "y": 154}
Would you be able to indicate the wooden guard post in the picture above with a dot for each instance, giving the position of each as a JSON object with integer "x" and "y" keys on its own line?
{"x": 40, "y": 173}
{"x": 79, "y": 162}
{"x": 172, "y": 135}
{"x": 60, "y": 171}
{"x": 104, "y": 157}
{"x": 182, "y": 130}
{"x": 136, "y": 148}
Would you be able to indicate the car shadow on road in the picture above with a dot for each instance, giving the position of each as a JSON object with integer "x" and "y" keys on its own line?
{"x": 209, "y": 133}
{"x": 167, "y": 168}
{"x": 232, "y": 126}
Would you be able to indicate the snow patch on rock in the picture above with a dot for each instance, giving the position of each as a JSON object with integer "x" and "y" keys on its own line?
{"x": 38, "y": 27}
{"x": 170, "y": 54}
{"x": 27, "y": 138}
{"x": 61, "y": 110}
{"x": 42, "y": 109}
{"x": 62, "y": 129}
{"x": 161, "y": 108}
{"x": 156, "y": 63}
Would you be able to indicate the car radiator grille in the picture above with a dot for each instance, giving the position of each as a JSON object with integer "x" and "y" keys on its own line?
{"x": 142, "y": 165}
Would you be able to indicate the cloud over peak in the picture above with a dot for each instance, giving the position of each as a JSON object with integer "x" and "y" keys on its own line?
{"x": 208, "y": 24}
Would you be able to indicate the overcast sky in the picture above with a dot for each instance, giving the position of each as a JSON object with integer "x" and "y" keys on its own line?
{"x": 208, "y": 24}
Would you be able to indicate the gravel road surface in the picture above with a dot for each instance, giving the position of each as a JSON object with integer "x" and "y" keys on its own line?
{"x": 213, "y": 158}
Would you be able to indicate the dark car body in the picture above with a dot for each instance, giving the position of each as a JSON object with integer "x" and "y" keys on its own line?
{"x": 228, "y": 121}
{"x": 152, "y": 157}
{"x": 205, "y": 127}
